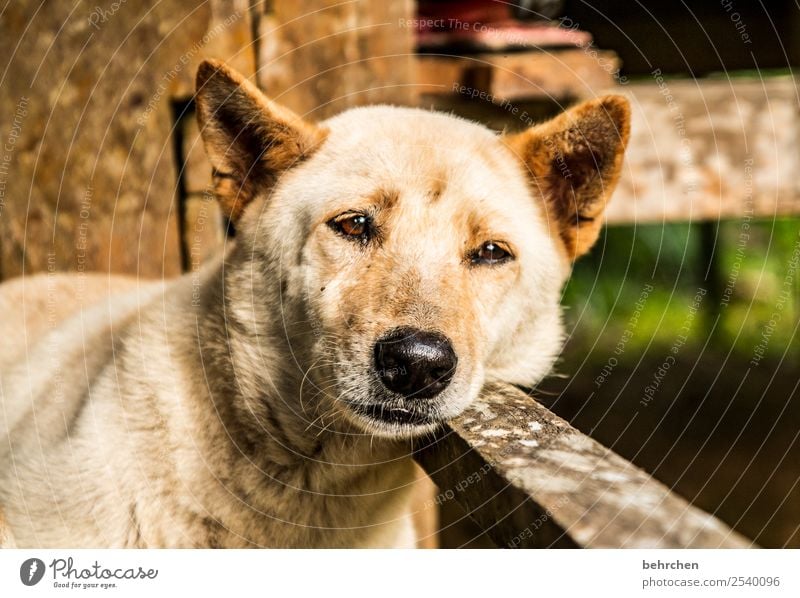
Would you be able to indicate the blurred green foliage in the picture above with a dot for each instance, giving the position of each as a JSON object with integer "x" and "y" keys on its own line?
{"x": 750, "y": 274}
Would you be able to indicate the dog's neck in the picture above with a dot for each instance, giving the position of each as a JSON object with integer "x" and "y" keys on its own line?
{"x": 272, "y": 466}
{"x": 258, "y": 385}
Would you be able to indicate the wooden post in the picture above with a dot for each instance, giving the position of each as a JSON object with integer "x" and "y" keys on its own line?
{"x": 321, "y": 57}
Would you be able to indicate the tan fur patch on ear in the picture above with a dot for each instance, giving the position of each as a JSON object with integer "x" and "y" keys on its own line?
{"x": 575, "y": 161}
{"x": 249, "y": 139}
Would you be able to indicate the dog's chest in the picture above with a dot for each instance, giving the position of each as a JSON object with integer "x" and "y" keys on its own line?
{"x": 318, "y": 505}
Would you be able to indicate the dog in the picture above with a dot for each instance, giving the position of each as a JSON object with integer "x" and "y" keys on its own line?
{"x": 387, "y": 262}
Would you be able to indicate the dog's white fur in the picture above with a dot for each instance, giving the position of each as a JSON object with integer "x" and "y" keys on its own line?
{"x": 217, "y": 409}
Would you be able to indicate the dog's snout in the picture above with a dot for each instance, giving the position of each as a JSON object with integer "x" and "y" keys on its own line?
{"x": 415, "y": 363}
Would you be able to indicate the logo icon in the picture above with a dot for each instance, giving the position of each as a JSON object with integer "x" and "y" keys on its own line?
{"x": 31, "y": 572}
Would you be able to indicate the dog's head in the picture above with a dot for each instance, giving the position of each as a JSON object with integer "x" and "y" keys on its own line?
{"x": 414, "y": 254}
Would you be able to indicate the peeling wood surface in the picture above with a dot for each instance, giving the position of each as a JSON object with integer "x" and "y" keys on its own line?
{"x": 710, "y": 149}
{"x": 531, "y": 480}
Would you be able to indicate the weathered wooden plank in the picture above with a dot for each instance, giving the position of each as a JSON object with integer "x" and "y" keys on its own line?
{"x": 321, "y": 57}
{"x": 529, "y": 479}
{"x": 564, "y": 74}
{"x": 710, "y": 149}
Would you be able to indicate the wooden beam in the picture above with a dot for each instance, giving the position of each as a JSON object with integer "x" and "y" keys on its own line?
{"x": 529, "y": 479}
{"x": 551, "y": 75}
{"x": 699, "y": 150}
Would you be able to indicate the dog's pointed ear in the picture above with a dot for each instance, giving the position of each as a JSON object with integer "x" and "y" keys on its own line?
{"x": 574, "y": 162}
{"x": 249, "y": 139}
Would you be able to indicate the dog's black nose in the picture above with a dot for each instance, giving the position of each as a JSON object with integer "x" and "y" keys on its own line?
{"x": 415, "y": 363}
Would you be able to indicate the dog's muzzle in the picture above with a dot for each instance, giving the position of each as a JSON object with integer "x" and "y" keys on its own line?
{"x": 415, "y": 364}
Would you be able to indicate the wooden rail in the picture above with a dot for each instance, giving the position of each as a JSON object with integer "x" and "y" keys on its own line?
{"x": 530, "y": 480}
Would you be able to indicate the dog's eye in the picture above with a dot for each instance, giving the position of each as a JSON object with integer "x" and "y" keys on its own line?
{"x": 490, "y": 253}
{"x": 356, "y": 226}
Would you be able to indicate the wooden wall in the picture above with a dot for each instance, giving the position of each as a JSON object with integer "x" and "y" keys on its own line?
{"x": 98, "y": 120}
{"x": 90, "y": 183}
